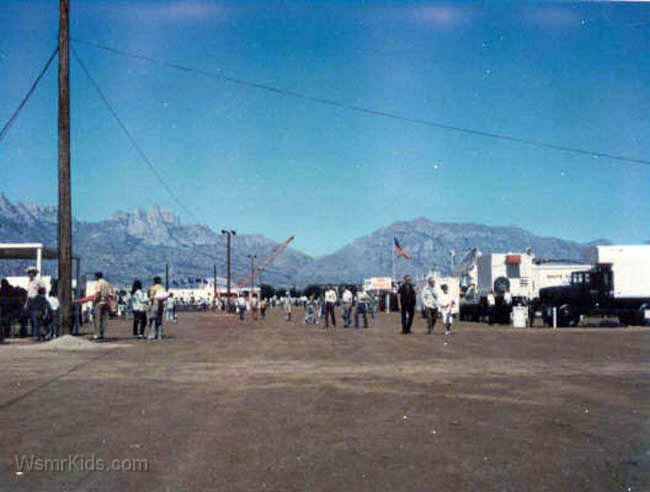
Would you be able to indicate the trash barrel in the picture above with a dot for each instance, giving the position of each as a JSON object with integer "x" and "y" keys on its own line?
{"x": 519, "y": 316}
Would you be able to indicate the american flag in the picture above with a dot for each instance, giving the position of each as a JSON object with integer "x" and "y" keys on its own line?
{"x": 401, "y": 251}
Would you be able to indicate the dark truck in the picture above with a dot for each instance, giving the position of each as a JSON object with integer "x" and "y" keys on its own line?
{"x": 595, "y": 293}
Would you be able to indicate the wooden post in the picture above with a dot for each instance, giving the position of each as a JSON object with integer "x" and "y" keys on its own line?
{"x": 228, "y": 270}
{"x": 228, "y": 234}
{"x": 252, "y": 257}
{"x": 65, "y": 208}
{"x": 214, "y": 279}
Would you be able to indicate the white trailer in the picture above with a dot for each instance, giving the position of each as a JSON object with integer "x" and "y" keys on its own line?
{"x": 501, "y": 271}
{"x": 630, "y": 269}
{"x": 617, "y": 285}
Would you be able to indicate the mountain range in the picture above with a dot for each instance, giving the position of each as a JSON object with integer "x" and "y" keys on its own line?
{"x": 137, "y": 244}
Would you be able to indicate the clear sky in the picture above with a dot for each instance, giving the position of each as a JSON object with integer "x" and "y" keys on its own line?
{"x": 575, "y": 74}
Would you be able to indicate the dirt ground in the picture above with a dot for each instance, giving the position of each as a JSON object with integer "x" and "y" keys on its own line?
{"x": 230, "y": 405}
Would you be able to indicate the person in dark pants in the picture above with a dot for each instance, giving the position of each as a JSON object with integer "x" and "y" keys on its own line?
{"x": 406, "y": 299}
{"x": 430, "y": 304}
{"x": 362, "y": 307}
{"x": 138, "y": 306}
{"x": 330, "y": 306}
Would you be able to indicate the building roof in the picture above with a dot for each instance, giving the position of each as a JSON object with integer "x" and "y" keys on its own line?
{"x": 26, "y": 251}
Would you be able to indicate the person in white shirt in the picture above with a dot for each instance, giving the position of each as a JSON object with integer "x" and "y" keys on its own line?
{"x": 346, "y": 306}
{"x": 491, "y": 305}
{"x": 430, "y": 304}
{"x": 53, "y": 327}
{"x": 34, "y": 285}
{"x": 241, "y": 307}
{"x": 363, "y": 299}
{"x": 139, "y": 303}
{"x": 330, "y": 306}
{"x": 287, "y": 306}
{"x": 507, "y": 298}
{"x": 446, "y": 305}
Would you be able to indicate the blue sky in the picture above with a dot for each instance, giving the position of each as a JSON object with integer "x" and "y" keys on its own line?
{"x": 574, "y": 74}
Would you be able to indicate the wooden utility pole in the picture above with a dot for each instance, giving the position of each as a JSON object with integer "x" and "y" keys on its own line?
{"x": 228, "y": 234}
{"x": 65, "y": 208}
{"x": 252, "y": 257}
{"x": 166, "y": 276}
{"x": 214, "y": 279}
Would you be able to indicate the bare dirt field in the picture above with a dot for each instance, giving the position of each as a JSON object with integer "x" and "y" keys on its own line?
{"x": 230, "y": 405}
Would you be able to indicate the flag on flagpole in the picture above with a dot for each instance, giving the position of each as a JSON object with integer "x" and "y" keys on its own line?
{"x": 401, "y": 251}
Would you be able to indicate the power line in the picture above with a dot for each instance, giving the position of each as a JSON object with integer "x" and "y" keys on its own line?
{"x": 369, "y": 111}
{"x": 135, "y": 145}
{"x": 31, "y": 90}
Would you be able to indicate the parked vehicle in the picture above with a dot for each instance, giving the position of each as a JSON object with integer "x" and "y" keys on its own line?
{"x": 521, "y": 275}
{"x": 617, "y": 286}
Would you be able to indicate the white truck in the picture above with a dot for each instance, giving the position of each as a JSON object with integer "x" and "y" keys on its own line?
{"x": 617, "y": 285}
{"x": 522, "y": 275}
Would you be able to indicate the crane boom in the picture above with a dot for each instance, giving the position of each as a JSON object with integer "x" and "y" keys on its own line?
{"x": 275, "y": 252}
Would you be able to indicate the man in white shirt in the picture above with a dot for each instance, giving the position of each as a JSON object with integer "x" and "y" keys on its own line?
{"x": 446, "y": 305}
{"x": 330, "y": 306}
{"x": 430, "y": 304}
{"x": 363, "y": 300}
{"x": 103, "y": 295}
{"x": 346, "y": 304}
{"x": 34, "y": 285}
{"x": 241, "y": 307}
{"x": 491, "y": 306}
{"x": 287, "y": 304}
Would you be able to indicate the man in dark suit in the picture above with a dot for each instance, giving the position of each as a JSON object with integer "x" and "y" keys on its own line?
{"x": 406, "y": 299}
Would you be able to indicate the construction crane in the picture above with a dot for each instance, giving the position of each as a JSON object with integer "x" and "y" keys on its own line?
{"x": 275, "y": 252}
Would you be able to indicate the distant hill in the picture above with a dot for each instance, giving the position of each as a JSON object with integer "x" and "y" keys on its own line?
{"x": 429, "y": 243}
{"x": 137, "y": 244}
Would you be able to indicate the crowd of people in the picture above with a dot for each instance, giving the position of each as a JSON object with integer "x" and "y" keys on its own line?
{"x": 146, "y": 309}
{"x": 149, "y": 308}
{"x": 34, "y": 309}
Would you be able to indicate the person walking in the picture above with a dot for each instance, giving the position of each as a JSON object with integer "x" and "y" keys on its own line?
{"x": 139, "y": 308}
{"x": 491, "y": 307}
{"x": 330, "y": 306}
{"x": 53, "y": 325}
{"x": 157, "y": 298}
{"x": 241, "y": 307}
{"x": 255, "y": 307}
{"x": 373, "y": 303}
{"x": 170, "y": 309}
{"x": 263, "y": 306}
{"x": 430, "y": 304}
{"x": 103, "y": 294}
{"x": 310, "y": 311}
{"x": 446, "y": 305}
{"x": 346, "y": 306}
{"x": 287, "y": 306}
{"x": 363, "y": 300}
{"x": 33, "y": 311}
{"x": 406, "y": 300}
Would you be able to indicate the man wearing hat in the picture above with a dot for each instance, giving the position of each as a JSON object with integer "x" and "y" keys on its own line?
{"x": 34, "y": 285}
{"x": 430, "y": 303}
